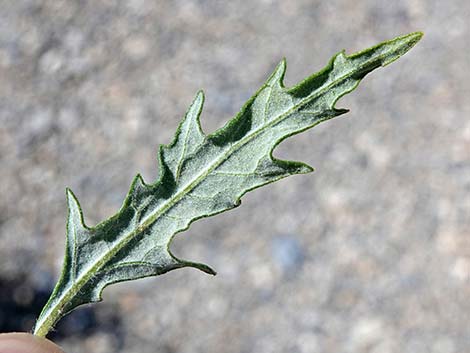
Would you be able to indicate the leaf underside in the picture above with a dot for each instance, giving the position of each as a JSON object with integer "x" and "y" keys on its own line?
{"x": 202, "y": 175}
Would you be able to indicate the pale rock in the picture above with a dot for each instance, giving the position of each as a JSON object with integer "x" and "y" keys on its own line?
{"x": 136, "y": 47}
{"x": 461, "y": 269}
{"x": 367, "y": 331}
{"x": 51, "y": 62}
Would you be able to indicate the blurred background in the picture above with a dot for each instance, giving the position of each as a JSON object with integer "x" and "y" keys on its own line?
{"x": 371, "y": 253}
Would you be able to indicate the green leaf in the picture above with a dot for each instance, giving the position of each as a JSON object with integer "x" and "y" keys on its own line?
{"x": 200, "y": 176}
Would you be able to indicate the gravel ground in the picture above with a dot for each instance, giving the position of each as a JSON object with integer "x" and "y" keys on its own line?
{"x": 369, "y": 254}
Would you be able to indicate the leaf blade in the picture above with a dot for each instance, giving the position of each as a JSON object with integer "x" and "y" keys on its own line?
{"x": 203, "y": 175}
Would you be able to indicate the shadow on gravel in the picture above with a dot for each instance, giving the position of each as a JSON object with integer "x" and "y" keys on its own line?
{"x": 21, "y": 303}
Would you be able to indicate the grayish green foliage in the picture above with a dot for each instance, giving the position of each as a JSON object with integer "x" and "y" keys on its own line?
{"x": 202, "y": 175}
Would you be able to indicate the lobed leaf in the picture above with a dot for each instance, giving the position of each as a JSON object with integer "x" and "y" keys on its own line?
{"x": 200, "y": 176}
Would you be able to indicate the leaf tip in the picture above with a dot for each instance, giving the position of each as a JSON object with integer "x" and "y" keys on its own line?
{"x": 200, "y": 95}
{"x": 417, "y": 35}
{"x": 209, "y": 271}
{"x": 194, "y": 112}
{"x": 277, "y": 77}
{"x": 340, "y": 111}
{"x": 71, "y": 199}
{"x": 400, "y": 46}
{"x": 200, "y": 266}
{"x": 137, "y": 186}
{"x": 138, "y": 182}
{"x": 75, "y": 211}
{"x": 305, "y": 169}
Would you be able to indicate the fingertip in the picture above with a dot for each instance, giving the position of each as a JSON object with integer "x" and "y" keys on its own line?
{"x": 20, "y": 342}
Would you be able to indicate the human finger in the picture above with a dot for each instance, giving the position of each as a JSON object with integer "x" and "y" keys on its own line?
{"x": 20, "y": 342}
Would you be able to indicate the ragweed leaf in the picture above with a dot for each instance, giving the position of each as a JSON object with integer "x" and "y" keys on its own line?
{"x": 202, "y": 175}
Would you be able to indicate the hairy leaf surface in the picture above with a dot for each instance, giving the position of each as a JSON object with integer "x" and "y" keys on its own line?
{"x": 202, "y": 175}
